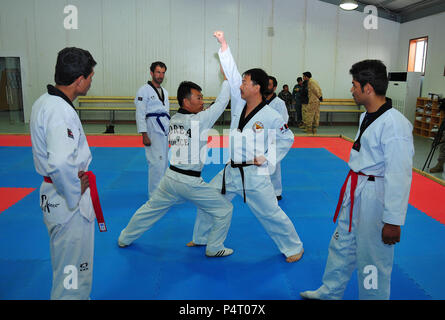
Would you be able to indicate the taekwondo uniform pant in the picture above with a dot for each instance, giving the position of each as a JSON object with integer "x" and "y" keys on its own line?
{"x": 176, "y": 188}
{"x": 71, "y": 244}
{"x": 276, "y": 180}
{"x": 361, "y": 249}
{"x": 261, "y": 199}
{"x": 157, "y": 160}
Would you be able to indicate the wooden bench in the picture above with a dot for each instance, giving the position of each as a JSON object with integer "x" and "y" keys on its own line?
{"x": 341, "y": 103}
{"x": 125, "y": 103}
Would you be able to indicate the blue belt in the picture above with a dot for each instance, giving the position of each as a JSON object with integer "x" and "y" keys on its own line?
{"x": 158, "y": 115}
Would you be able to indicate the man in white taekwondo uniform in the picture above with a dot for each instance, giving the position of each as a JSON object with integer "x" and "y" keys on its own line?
{"x": 279, "y": 105}
{"x": 182, "y": 181}
{"x": 374, "y": 198}
{"x": 62, "y": 156}
{"x": 254, "y": 124}
{"x": 152, "y": 121}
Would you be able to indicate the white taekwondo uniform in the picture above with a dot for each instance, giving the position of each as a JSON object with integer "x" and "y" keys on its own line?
{"x": 153, "y": 117}
{"x": 182, "y": 181}
{"x": 381, "y": 196}
{"x": 279, "y": 105}
{"x": 60, "y": 150}
{"x": 263, "y": 132}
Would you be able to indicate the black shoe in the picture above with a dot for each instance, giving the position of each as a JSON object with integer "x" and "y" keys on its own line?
{"x": 109, "y": 129}
{"x": 279, "y": 198}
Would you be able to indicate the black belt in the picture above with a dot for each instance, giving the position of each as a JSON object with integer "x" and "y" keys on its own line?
{"x": 371, "y": 178}
{"x": 186, "y": 172}
{"x": 240, "y": 166}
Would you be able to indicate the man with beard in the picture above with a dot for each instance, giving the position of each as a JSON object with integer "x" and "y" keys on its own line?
{"x": 374, "y": 198}
{"x": 152, "y": 120}
{"x": 279, "y": 105}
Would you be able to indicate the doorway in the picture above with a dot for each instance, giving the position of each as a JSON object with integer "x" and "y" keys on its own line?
{"x": 11, "y": 99}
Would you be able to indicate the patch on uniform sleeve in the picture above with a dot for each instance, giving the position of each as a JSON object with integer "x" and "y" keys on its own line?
{"x": 140, "y": 99}
{"x": 284, "y": 128}
{"x": 70, "y": 133}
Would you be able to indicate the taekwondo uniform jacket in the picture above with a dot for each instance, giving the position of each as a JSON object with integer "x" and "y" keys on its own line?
{"x": 188, "y": 133}
{"x": 152, "y": 110}
{"x": 381, "y": 161}
{"x": 152, "y": 116}
{"x": 60, "y": 150}
{"x": 264, "y": 130}
{"x": 280, "y": 106}
{"x": 262, "y": 133}
{"x": 386, "y": 151}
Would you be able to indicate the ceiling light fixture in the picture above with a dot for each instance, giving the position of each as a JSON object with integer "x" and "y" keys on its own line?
{"x": 348, "y": 5}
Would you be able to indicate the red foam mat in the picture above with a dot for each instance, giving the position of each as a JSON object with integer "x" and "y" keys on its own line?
{"x": 10, "y": 196}
{"x": 428, "y": 196}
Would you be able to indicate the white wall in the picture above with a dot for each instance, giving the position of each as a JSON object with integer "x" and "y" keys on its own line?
{"x": 285, "y": 37}
{"x": 433, "y": 27}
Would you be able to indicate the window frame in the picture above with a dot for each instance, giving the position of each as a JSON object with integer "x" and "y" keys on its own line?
{"x": 412, "y": 54}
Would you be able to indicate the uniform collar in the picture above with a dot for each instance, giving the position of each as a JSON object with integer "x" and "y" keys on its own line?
{"x": 271, "y": 98}
{"x": 244, "y": 120}
{"x": 160, "y": 95}
{"x": 383, "y": 108}
{"x": 56, "y": 92}
{"x": 183, "y": 111}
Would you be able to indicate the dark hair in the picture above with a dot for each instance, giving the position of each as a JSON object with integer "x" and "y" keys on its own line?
{"x": 157, "y": 63}
{"x": 259, "y": 77}
{"x": 299, "y": 79}
{"x": 71, "y": 64}
{"x": 185, "y": 90}
{"x": 285, "y": 85}
{"x": 274, "y": 80}
{"x": 372, "y": 72}
{"x": 307, "y": 74}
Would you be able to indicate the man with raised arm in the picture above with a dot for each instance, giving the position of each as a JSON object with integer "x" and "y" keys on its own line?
{"x": 182, "y": 180}
{"x": 259, "y": 138}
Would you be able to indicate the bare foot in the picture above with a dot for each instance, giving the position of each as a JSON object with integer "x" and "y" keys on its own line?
{"x": 295, "y": 257}
{"x": 192, "y": 244}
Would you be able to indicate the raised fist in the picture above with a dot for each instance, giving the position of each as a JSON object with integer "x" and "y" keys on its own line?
{"x": 219, "y": 35}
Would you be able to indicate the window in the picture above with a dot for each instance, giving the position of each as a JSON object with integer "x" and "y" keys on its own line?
{"x": 417, "y": 54}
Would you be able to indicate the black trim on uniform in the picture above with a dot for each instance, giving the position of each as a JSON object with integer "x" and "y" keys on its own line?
{"x": 271, "y": 99}
{"x": 161, "y": 98}
{"x": 183, "y": 111}
{"x": 244, "y": 120}
{"x": 56, "y": 92}
{"x": 370, "y": 118}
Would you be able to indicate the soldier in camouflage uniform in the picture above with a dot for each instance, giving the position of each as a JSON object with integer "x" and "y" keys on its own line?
{"x": 311, "y": 110}
{"x": 286, "y": 96}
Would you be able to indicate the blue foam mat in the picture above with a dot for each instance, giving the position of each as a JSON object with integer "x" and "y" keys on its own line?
{"x": 160, "y": 266}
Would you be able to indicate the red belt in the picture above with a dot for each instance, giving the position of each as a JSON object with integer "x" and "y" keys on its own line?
{"x": 94, "y": 199}
{"x": 354, "y": 179}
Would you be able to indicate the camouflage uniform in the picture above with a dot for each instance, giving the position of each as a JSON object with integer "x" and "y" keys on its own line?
{"x": 286, "y": 96}
{"x": 311, "y": 111}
